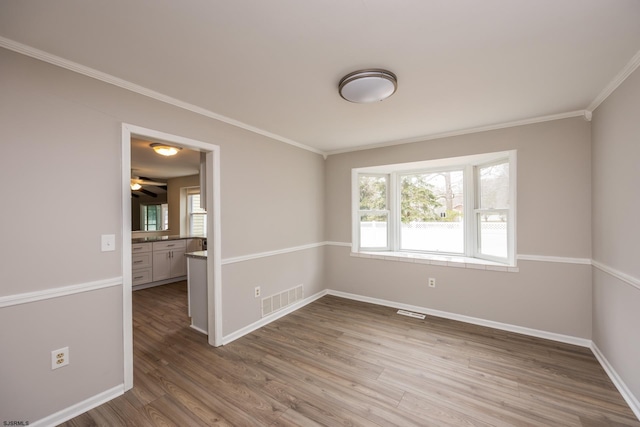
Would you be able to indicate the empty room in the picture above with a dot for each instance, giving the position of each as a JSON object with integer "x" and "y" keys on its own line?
{"x": 366, "y": 212}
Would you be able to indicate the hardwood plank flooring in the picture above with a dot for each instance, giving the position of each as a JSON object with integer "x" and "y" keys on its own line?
{"x": 337, "y": 362}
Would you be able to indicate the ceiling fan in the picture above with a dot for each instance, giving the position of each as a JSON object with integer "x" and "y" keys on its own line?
{"x": 137, "y": 182}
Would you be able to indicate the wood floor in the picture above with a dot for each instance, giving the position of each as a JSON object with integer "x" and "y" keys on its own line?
{"x": 345, "y": 363}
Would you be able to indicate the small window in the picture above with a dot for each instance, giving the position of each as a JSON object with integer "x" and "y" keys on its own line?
{"x": 197, "y": 217}
{"x": 373, "y": 212}
{"x": 492, "y": 213}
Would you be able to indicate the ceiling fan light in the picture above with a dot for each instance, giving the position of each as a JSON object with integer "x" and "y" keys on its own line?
{"x": 135, "y": 186}
{"x": 366, "y": 86}
{"x": 165, "y": 150}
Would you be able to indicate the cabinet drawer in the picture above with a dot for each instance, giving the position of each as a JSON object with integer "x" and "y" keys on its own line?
{"x": 141, "y": 260}
{"x": 139, "y": 248}
{"x": 171, "y": 244}
{"x": 140, "y": 277}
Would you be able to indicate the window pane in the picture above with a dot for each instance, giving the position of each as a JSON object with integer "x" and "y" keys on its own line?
{"x": 373, "y": 231}
{"x": 432, "y": 207}
{"x": 373, "y": 193}
{"x": 493, "y": 233}
{"x": 198, "y": 225}
{"x": 494, "y": 186}
{"x": 197, "y": 216}
{"x": 194, "y": 204}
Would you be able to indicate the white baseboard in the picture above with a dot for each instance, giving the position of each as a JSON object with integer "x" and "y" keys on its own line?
{"x": 631, "y": 400}
{"x": 582, "y": 342}
{"x": 80, "y": 407}
{"x": 158, "y": 283}
{"x": 270, "y": 318}
{"x": 202, "y": 331}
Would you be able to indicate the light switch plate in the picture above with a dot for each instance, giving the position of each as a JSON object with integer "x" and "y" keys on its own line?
{"x": 108, "y": 242}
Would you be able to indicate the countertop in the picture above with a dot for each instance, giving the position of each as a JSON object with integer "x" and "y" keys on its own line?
{"x": 197, "y": 254}
{"x": 162, "y": 238}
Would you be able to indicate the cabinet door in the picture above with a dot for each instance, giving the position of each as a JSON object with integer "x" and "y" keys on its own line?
{"x": 161, "y": 265}
{"x": 178, "y": 263}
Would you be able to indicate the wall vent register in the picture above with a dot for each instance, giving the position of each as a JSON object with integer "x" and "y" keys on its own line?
{"x": 277, "y": 302}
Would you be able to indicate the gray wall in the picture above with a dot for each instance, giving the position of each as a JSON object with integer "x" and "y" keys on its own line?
{"x": 616, "y": 231}
{"x": 553, "y": 219}
{"x": 62, "y": 133}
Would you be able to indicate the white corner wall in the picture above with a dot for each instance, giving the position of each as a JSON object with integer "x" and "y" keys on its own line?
{"x": 616, "y": 232}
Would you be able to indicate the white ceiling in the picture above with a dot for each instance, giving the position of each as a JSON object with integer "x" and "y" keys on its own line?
{"x": 274, "y": 66}
{"x": 147, "y": 163}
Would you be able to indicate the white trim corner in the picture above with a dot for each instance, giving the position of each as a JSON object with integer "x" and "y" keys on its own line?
{"x": 631, "y": 400}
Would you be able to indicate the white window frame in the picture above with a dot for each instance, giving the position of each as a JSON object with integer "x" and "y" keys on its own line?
{"x": 509, "y": 211}
{"x": 470, "y": 166}
{"x": 387, "y": 212}
{"x": 397, "y": 176}
{"x": 190, "y": 191}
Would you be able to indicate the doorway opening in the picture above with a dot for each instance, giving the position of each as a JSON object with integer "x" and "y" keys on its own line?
{"x": 210, "y": 172}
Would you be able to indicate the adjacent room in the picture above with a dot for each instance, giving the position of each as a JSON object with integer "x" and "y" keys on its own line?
{"x": 320, "y": 213}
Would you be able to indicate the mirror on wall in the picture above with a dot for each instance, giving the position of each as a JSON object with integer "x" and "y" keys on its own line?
{"x": 149, "y": 215}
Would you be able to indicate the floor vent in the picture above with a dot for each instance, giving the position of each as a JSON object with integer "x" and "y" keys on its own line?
{"x": 276, "y": 302}
{"x": 411, "y": 314}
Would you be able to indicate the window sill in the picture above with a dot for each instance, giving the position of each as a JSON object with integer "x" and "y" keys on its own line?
{"x": 440, "y": 260}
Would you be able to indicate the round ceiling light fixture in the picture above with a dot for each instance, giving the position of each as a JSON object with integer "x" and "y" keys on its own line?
{"x": 164, "y": 149}
{"x": 365, "y": 86}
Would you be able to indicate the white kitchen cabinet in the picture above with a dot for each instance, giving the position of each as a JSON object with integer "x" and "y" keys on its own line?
{"x": 141, "y": 262}
{"x": 169, "y": 260}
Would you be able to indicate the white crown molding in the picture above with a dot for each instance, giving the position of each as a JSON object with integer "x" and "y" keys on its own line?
{"x": 6, "y": 43}
{"x": 580, "y": 113}
{"x": 631, "y": 66}
{"x": 124, "y": 84}
{"x": 624, "y": 277}
{"x": 28, "y": 297}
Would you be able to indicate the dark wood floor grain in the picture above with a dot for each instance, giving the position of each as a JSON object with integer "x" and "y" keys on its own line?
{"x": 338, "y": 362}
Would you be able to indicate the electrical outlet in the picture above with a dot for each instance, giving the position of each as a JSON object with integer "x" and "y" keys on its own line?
{"x": 432, "y": 282}
{"x": 256, "y": 291}
{"x": 59, "y": 358}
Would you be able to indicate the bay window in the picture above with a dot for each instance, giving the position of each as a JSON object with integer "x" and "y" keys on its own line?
{"x": 463, "y": 207}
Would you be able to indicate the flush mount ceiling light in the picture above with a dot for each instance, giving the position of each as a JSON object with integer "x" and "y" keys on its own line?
{"x": 164, "y": 149}
{"x": 366, "y": 86}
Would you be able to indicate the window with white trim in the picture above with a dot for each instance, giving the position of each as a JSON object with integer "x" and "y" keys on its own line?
{"x": 462, "y": 206}
{"x": 196, "y": 216}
